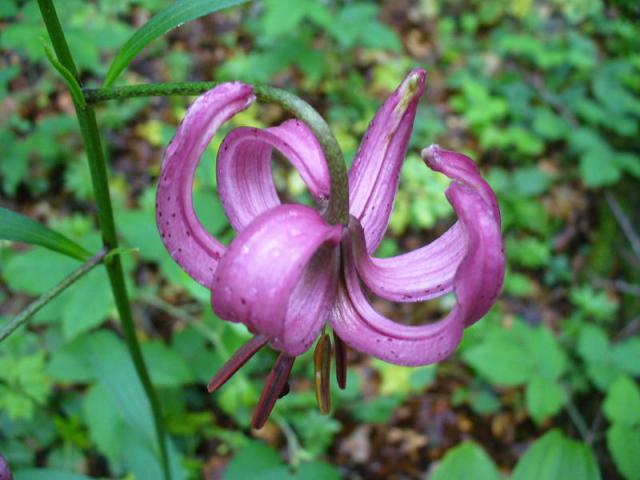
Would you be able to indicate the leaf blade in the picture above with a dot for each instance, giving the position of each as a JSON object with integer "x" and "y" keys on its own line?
{"x": 169, "y": 18}
{"x": 464, "y": 458}
{"x": 555, "y": 457}
{"x": 20, "y": 228}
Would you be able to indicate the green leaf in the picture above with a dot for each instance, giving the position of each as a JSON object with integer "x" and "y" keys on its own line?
{"x": 76, "y": 317}
{"x": 597, "y": 304}
{"x": 285, "y": 16}
{"x": 139, "y": 231}
{"x": 47, "y": 474}
{"x": 67, "y": 364}
{"x": 310, "y": 471}
{"x": 529, "y": 252}
{"x": 516, "y": 355}
{"x": 594, "y": 348}
{"x": 104, "y": 423}
{"x": 167, "y": 368}
{"x": 550, "y": 360}
{"x": 622, "y": 404}
{"x": 19, "y": 228}
{"x": 625, "y": 355}
{"x": 501, "y": 358}
{"x": 316, "y": 430}
{"x": 544, "y": 398}
{"x": 23, "y": 383}
{"x": 255, "y": 457}
{"x": 209, "y": 209}
{"x": 530, "y": 181}
{"x": 378, "y": 410}
{"x": 194, "y": 349}
{"x": 624, "y": 444}
{"x": 169, "y": 18}
{"x": 556, "y": 457}
{"x": 107, "y": 357}
{"x": 397, "y": 379}
{"x": 259, "y": 462}
{"x": 35, "y": 271}
{"x": 463, "y": 459}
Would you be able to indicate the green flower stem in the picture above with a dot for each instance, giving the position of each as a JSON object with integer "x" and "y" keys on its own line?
{"x": 46, "y": 297}
{"x": 98, "y": 169}
{"x": 338, "y": 208}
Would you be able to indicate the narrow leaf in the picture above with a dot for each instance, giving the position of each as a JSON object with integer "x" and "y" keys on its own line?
{"x": 19, "y": 228}
{"x": 169, "y": 18}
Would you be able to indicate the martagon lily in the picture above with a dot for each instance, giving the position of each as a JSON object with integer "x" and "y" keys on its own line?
{"x": 289, "y": 272}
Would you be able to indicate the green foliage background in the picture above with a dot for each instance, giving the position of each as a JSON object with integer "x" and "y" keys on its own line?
{"x": 545, "y": 96}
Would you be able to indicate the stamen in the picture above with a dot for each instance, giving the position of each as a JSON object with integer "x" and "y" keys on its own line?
{"x": 341, "y": 361}
{"x": 285, "y": 391}
{"x": 273, "y": 387}
{"x": 322, "y": 364}
{"x": 237, "y": 360}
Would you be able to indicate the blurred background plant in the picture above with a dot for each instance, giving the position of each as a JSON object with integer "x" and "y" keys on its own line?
{"x": 544, "y": 95}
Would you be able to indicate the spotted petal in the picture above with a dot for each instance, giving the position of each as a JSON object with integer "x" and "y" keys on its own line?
{"x": 429, "y": 271}
{"x": 186, "y": 239}
{"x": 419, "y": 275}
{"x": 375, "y": 173}
{"x": 477, "y": 283}
{"x": 276, "y": 277}
{"x": 245, "y": 181}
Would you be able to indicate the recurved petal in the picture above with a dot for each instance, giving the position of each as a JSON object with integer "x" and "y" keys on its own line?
{"x": 276, "y": 277}
{"x": 187, "y": 241}
{"x": 245, "y": 181}
{"x": 429, "y": 271}
{"x": 419, "y": 275}
{"x": 459, "y": 167}
{"x": 374, "y": 175}
{"x": 477, "y": 283}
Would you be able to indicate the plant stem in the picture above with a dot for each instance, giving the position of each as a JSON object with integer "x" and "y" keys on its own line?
{"x": 99, "y": 178}
{"x": 46, "y": 297}
{"x": 56, "y": 34}
{"x": 98, "y": 95}
{"x": 338, "y": 208}
{"x": 578, "y": 421}
{"x": 623, "y": 221}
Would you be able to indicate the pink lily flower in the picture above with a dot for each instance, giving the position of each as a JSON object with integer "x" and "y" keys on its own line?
{"x": 288, "y": 272}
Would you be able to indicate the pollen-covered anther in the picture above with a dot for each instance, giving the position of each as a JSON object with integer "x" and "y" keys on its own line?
{"x": 322, "y": 365}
